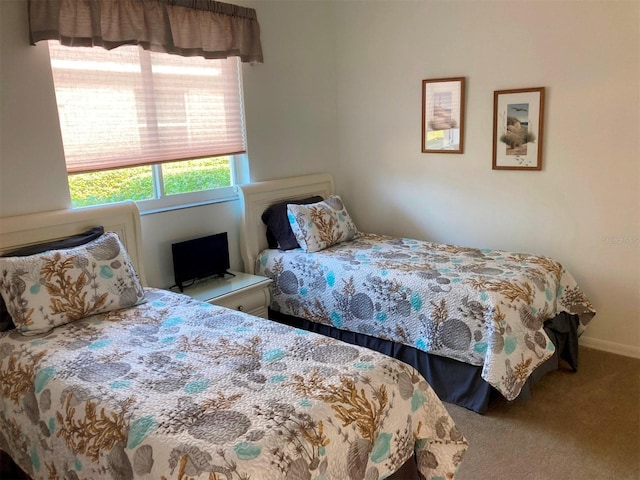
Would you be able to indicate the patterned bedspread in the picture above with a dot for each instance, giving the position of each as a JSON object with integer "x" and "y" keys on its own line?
{"x": 178, "y": 389}
{"x": 482, "y": 307}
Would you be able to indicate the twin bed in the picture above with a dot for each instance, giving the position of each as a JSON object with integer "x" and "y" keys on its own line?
{"x": 104, "y": 377}
{"x": 475, "y": 322}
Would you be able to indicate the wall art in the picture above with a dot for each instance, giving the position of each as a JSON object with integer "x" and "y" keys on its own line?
{"x": 518, "y": 121}
{"x": 443, "y": 115}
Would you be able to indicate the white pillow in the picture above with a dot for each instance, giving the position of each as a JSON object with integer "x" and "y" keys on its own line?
{"x": 320, "y": 225}
{"x": 60, "y": 286}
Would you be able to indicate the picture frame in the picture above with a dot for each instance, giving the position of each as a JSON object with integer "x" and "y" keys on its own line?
{"x": 518, "y": 129}
{"x": 443, "y": 105}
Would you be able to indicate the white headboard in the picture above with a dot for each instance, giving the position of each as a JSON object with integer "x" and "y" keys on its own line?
{"x": 256, "y": 197}
{"x": 122, "y": 218}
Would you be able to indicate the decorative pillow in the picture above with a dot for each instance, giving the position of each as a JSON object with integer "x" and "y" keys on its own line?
{"x": 320, "y": 225}
{"x": 279, "y": 233}
{"x": 6, "y": 323}
{"x": 56, "y": 287}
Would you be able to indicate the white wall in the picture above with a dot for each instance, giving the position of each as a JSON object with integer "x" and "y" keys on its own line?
{"x": 583, "y": 208}
{"x": 32, "y": 171}
{"x": 290, "y": 100}
{"x": 340, "y": 91}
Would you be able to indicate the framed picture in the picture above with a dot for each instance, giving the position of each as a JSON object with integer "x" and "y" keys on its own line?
{"x": 443, "y": 115}
{"x": 518, "y": 121}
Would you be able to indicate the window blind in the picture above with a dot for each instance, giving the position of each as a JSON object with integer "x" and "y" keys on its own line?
{"x": 130, "y": 106}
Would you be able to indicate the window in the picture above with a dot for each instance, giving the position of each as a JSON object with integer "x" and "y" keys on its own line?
{"x": 160, "y": 129}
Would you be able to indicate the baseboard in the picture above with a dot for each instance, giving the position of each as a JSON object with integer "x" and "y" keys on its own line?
{"x": 612, "y": 347}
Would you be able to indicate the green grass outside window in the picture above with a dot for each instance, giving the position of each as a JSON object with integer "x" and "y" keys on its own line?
{"x": 136, "y": 183}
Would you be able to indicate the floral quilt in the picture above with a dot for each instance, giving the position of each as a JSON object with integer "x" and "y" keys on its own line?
{"x": 482, "y": 307}
{"x": 178, "y": 389}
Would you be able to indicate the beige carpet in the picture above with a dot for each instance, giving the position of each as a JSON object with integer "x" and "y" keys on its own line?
{"x": 583, "y": 425}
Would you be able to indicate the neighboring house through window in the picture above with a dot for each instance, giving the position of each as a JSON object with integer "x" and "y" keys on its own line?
{"x": 157, "y": 128}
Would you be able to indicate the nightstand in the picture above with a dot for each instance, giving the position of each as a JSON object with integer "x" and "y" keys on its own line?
{"x": 244, "y": 292}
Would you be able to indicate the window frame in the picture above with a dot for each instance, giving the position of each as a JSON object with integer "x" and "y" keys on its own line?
{"x": 239, "y": 174}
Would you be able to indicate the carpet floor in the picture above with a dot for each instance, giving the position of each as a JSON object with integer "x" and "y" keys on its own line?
{"x": 582, "y": 425}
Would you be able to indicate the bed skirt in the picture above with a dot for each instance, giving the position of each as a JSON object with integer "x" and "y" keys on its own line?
{"x": 468, "y": 390}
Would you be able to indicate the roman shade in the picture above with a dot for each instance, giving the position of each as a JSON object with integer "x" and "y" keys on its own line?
{"x": 184, "y": 27}
{"x": 129, "y": 107}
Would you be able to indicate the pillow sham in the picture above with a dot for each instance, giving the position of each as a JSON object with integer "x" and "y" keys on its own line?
{"x": 275, "y": 217}
{"x": 6, "y": 323}
{"x": 56, "y": 287}
{"x": 320, "y": 225}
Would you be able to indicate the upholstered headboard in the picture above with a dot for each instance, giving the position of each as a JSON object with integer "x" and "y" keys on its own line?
{"x": 122, "y": 218}
{"x": 256, "y": 197}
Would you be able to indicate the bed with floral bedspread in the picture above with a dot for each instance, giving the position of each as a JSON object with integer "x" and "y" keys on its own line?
{"x": 175, "y": 388}
{"x": 481, "y": 307}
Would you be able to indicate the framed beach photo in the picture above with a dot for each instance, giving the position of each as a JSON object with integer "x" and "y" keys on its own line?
{"x": 518, "y": 121}
{"x": 443, "y": 115}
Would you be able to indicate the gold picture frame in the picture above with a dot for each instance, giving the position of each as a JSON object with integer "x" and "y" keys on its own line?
{"x": 443, "y": 104}
{"x": 518, "y": 129}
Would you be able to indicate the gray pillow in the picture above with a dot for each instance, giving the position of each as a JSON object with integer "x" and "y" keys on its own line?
{"x": 69, "y": 242}
{"x": 279, "y": 233}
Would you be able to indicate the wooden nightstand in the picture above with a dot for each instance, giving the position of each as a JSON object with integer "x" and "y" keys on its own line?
{"x": 244, "y": 292}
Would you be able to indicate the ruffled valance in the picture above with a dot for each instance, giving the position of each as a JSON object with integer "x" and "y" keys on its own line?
{"x": 184, "y": 27}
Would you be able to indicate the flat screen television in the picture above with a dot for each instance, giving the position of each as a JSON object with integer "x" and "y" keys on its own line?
{"x": 200, "y": 258}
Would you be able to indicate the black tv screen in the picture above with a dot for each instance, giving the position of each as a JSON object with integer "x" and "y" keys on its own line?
{"x": 200, "y": 258}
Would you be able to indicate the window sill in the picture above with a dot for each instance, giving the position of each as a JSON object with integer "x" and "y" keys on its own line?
{"x": 153, "y": 209}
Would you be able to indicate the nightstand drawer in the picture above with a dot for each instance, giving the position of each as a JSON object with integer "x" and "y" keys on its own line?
{"x": 241, "y": 291}
{"x": 244, "y": 301}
